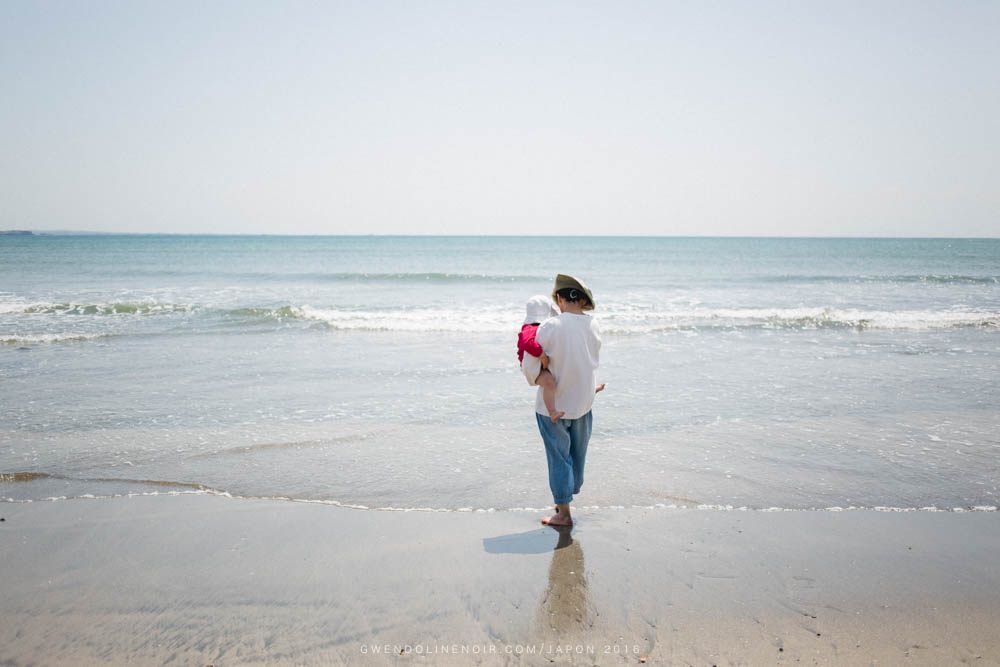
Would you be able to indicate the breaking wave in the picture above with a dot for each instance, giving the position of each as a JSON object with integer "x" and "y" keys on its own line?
{"x": 34, "y": 339}
{"x": 635, "y": 320}
{"x": 945, "y": 279}
{"x": 113, "y": 308}
{"x": 618, "y": 318}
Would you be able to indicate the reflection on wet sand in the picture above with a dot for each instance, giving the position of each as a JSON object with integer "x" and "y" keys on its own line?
{"x": 566, "y": 608}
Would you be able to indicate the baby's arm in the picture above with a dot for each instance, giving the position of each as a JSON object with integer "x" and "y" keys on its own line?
{"x": 533, "y": 348}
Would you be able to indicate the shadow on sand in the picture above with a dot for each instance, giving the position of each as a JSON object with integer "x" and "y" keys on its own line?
{"x": 565, "y": 608}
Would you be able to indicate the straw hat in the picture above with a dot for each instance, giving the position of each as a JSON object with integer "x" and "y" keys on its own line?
{"x": 563, "y": 281}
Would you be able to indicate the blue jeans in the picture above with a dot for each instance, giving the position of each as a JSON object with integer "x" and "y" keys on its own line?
{"x": 566, "y": 451}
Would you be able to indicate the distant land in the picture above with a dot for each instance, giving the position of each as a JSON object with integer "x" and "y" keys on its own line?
{"x": 16, "y": 232}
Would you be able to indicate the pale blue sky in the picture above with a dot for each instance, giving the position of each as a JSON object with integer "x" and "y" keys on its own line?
{"x": 663, "y": 118}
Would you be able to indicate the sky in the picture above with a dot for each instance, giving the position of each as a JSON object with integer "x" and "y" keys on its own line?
{"x": 798, "y": 118}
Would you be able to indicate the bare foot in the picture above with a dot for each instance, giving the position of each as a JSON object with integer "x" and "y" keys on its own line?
{"x": 556, "y": 416}
{"x": 557, "y": 520}
{"x": 600, "y": 387}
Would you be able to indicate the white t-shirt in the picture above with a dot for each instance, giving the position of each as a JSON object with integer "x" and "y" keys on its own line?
{"x": 573, "y": 345}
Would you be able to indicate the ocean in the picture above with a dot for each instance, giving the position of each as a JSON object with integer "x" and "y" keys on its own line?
{"x": 381, "y": 372}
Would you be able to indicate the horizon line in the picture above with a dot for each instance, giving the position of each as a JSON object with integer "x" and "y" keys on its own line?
{"x": 73, "y": 232}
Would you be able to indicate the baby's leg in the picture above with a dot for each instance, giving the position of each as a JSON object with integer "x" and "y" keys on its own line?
{"x": 548, "y": 385}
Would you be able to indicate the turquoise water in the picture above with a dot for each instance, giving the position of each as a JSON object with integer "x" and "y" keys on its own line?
{"x": 382, "y": 371}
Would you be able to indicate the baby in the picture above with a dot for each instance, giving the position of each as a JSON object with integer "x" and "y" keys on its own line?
{"x": 539, "y": 309}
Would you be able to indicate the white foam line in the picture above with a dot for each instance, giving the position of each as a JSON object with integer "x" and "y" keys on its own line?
{"x": 35, "y": 339}
{"x": 388, "y": 508}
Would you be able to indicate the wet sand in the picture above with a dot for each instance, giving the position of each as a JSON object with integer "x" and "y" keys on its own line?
{"x": 205, "y": 580}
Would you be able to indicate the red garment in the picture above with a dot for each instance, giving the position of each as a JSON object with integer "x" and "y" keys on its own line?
{"x": 526, "y": 342}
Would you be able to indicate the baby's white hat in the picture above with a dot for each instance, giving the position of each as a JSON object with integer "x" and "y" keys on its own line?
{"x": 539, "y": 309}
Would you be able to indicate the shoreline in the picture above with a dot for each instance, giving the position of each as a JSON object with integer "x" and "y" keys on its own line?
{"x": 204, "y": 579}
{"x": 682, "y": 505}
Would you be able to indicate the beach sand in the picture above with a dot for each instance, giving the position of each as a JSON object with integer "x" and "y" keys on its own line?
{"x": 203, "y": 580}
